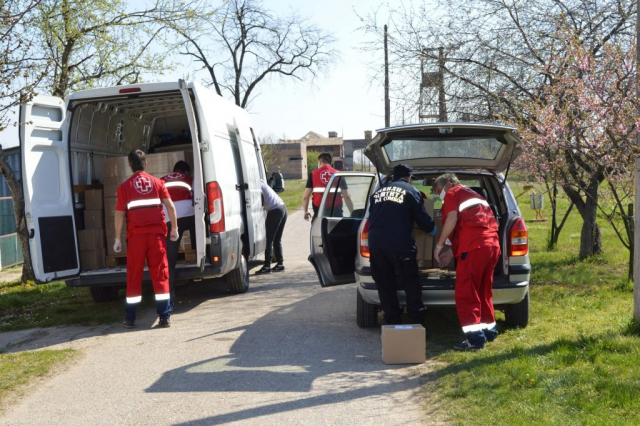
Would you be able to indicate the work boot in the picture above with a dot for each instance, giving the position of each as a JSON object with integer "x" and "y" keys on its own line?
{"x": 278, "y": 267}
{"x": 128, "y": 324}
{"x": 164, "y": 323}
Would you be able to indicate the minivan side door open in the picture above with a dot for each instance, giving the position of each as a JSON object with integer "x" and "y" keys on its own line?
{"x": 198, "y": 189}
{"x": 334, "y": 233}
{"x": 48, "y": 194}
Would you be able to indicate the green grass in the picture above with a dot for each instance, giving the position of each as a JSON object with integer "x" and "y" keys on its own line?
{"x": 578, "y": 361}
{"x": 19, "y": 369}
{"x": 292, "y": 195}
{"x": 29, "y": 305}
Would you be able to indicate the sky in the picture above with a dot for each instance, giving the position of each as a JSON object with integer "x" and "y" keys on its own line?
{"x": 343, "y": 100}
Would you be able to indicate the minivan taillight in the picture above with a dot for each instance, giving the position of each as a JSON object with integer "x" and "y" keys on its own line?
{"x": 519, "y": 238}
{"x": 216, "y": 207}
{"x": 364, "y": 240}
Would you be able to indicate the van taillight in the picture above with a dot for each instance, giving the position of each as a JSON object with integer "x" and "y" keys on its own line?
{"x": 364, "y": 240}
{"x": 216, "y": 207}
{"x": 519, "y": 238}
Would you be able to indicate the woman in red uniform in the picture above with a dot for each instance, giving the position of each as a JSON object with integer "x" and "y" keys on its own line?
{"x": 140, "y": 201}
{"x": 467, "y": 220}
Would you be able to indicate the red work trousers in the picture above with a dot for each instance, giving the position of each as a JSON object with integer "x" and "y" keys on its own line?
{"x": 152, "y": 248}
{"x": 474, "y": 289}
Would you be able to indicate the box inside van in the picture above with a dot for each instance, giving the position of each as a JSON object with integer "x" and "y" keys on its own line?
{"x": 75, "y": 150}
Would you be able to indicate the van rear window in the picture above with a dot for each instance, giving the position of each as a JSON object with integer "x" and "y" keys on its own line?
{"x": 409, "y": 149}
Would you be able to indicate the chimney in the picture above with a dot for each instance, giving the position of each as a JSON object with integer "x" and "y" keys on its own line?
{"x": 367, "y": 135}
{"x": 333, "y": 134}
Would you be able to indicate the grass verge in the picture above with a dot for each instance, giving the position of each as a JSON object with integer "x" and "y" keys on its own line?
{"x": 29, "y": 305}
{"x": 578, "y": 361}
{"x": 292, "y": 195}
{"x": 19, "y": 369}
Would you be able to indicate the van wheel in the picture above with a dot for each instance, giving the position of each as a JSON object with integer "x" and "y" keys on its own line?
{"x": 103, "y": 294}
{"x": 517, "y": 316}
{"x": 367, "y": 314}
{"x": 238, "y": 279}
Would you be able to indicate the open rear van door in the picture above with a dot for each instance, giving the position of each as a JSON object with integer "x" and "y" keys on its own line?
{"x": 198, "y": 178}
{"x": 334, "y": 233}
{"x": 48, "y": 195}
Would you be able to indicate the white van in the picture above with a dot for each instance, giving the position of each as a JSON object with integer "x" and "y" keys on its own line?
{"x": 65, "y": 142}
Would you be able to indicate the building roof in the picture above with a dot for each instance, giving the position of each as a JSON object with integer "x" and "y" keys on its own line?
{"x": 315, "y": 139}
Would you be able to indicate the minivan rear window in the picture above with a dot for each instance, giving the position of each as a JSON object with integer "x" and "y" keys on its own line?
{"x": 477, "y": 148}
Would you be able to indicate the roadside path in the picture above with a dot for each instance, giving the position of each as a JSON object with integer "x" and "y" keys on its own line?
{"x": 287, "y": 352}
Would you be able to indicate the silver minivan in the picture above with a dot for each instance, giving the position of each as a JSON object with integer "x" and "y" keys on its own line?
{"x": 480, "y": 155}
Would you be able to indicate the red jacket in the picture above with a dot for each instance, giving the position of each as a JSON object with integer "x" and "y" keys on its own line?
{"x": 179, "y": 186}
{"x": 141, "y": 197}
{"x": 320, "y": 179}
{"x": 476, "y": 226}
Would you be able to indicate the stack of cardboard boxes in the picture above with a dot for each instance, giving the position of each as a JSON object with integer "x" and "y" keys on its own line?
{"x": 426, "y": 243}
{"x": 91, "y": 240}
{"x": 116, "y": 171}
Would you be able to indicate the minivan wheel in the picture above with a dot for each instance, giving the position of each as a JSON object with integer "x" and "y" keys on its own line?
{"x": 238, "y": 279}
{"x": 367, "y": 314}
{"x": 103, "y": 294}
{"x": 517, "y": 316}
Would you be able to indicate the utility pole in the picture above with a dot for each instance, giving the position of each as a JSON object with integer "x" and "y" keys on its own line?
{"x": 442, "y": 101}
{"x": 636, "y": 229}
{"x": 387, "y": 103}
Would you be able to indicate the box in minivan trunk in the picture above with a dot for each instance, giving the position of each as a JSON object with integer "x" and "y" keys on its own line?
{"x": 424, "y": 241}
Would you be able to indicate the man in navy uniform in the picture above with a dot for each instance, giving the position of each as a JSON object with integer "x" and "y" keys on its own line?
{"x": 394, "y": 209}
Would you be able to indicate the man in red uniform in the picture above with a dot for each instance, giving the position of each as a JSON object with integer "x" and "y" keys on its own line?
{"x": 179, "y": 184}
{"x": 467, "y": 220}
{"x": 140, "y": 200}
{"x": 316, "y": 184}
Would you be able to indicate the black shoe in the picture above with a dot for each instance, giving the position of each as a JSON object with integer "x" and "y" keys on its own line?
{"x": 467, "y": 346}
{"x": 491, "y": 334}
{"x": 278, "y": 268}
{"x": 164, "y": 323}
{"x": 128, "y": 324}
{"x": 264, "y": 270}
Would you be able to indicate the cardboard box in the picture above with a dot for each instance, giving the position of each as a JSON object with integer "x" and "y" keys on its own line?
{"x": 93, "y": 199}
{"x": 110, "y": 207}
{"x": 157, "y": 164}
{"x": 117, "y": 167}
{"x": 93, "y": 259}
{"x": 424, "y": 241}
{"x": 91, "y": 239}
{"x": 111, "y": 240}
{"x": 403, "y": 344}
{"x": 93, "y": 219}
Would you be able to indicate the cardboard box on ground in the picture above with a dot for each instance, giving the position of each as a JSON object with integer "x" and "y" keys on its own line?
{"x": 403, "y": 344}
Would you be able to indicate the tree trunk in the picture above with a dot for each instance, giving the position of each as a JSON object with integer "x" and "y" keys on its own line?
{"x": 590, "y": 237}
{"x": 15, "y": 187}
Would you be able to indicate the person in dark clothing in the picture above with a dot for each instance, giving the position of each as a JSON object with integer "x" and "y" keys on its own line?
{"x": 394, "y": 209}
{"x": 274, "y": 225}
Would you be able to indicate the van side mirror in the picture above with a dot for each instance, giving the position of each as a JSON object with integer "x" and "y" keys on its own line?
{"x": 276, "y": 182}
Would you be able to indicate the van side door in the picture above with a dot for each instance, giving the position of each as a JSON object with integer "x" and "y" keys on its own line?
{"x": 198, "y": 181}
{"x": 334, "y": 233}
{"x": 253, "y": 193}
{"x": 48, "y": 193}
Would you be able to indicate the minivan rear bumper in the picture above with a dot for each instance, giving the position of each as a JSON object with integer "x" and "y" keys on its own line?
{"x": 119, "y": 276}
{"x": 441, "y": 292}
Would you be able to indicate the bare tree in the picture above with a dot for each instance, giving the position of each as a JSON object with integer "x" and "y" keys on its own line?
{"x": 19, "y": 75}
{"x": 58, "y": 46}
{"x": 244, "y": 43}
{"x": 497, "y": 55}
